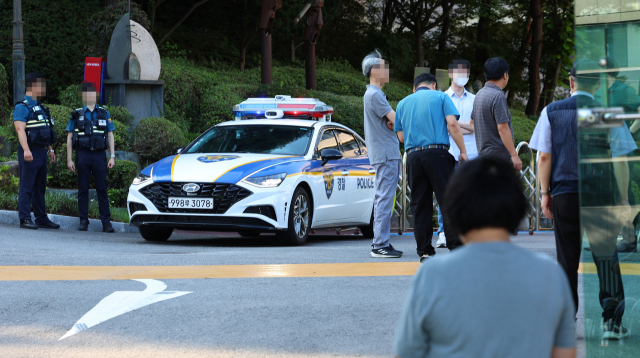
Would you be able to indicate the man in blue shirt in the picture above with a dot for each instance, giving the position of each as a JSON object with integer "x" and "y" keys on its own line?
{"x": 423, "y": 122}
{"x": 90, "y": 133}
{"x": 34, "y": 126}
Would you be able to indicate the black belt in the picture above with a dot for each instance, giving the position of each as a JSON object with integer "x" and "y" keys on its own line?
{"x": 431, "y": 146}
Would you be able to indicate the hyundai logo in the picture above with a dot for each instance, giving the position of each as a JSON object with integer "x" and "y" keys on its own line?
{"x": 191, "y": 188}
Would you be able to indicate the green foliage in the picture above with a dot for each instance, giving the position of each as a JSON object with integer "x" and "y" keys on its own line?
{"x": 103, "y": 22}
{"x": 120, "y": 114}
{"x": 118, "y": 197}
{"x": 5, "y": 107}
{"x": 8, "y": 132}
{"x": 8, "y": 183}
{"x": 154, "y": 138}
{"x": 60, "y": 115}
{"x": 70, "y": 97}
{"x": 55, "y": 37}
{"x": 523, "y": 126}
{"x": 121, "y": 137}
{"x": 122, "y": 174}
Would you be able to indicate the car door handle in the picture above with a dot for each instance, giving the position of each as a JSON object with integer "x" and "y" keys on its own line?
{"x": 345, "y": 172}
{"x": 372, "y": 171}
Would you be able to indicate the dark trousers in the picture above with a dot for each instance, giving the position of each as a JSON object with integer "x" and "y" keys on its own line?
{"x": 33, "y": 184}
{"x": 92, "y": 162}
{"x": 566, "y": 227}
{"x": 429, "y": 173}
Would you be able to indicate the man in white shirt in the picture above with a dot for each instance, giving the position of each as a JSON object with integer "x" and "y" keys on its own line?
{"x": 459, "y": 71}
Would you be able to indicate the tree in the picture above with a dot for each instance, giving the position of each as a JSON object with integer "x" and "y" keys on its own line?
{"x": 420, "y": 16}
{"x": 534, "y": 58}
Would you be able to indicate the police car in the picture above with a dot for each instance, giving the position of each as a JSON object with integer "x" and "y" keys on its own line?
{"x": 281, "y": 167}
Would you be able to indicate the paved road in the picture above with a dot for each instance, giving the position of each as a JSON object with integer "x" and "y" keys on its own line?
{"x": 309, "y": 301}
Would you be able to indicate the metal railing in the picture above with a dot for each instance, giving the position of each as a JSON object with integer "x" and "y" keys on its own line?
{"x": 402, "y": 219}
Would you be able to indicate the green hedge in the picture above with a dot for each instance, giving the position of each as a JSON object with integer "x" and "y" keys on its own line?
{"x": 5, "y": 106}
{"x": 118, "y": 177}
{"x": 154, "y": 138}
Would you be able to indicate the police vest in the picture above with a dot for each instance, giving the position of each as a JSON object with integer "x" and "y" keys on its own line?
{"x": 39, "y": 125}
{"x": 88, "y": 134}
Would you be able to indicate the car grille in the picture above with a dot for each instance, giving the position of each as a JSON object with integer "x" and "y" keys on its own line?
{"x": 224, "y": 195}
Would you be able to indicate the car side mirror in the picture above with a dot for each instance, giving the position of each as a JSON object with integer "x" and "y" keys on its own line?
{"x": 328, "y": 154}
{"x": 178, "y": 150}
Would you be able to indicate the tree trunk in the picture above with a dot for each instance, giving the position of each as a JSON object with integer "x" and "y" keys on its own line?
{"x": 293, "y": 50}
{"x": 550, "y": 84}
{"x": 442, "y": 41}
{"x": 534, "y": 59}
{"x": 243, "y": 55}
{"x": 153, "y": 13}
{"x": 482, "y": 38}
{"x": 388, "y": 16}
{"x": 518, "y": 66}
{"x": 175, "y": 26}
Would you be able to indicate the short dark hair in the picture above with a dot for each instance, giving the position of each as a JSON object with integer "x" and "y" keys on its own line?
{"x": 585, "y": 81}
{"x": 484, "y": 193}
{"x": 454, "y": 65}
{"x": 32, "y": 78}
{"x": 88, "y": 87}
{"x": 495, "y": 67}
{"x": 425, "y": 78}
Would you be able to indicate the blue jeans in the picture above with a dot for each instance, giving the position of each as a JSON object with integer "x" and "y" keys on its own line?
{"x": 440, "y": 224}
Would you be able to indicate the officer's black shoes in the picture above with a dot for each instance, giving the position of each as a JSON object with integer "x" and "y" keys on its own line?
{"x": 108, "y": 228}
{"x": 49, "y": 225}
{"x": 28, "y": 224}
{"x": 84, "y": 225}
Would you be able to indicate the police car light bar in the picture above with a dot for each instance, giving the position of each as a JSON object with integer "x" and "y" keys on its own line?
{"x": 296, "y": 108}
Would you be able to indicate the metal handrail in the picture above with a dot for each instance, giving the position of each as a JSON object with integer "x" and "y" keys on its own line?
{"x": 528, "y": 174}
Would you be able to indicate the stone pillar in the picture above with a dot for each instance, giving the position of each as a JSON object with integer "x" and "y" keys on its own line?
{"x": 18, "y": 53}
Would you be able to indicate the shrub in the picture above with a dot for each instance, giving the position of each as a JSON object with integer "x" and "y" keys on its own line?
{"x": 60, "y": 115}
{"x": 70, "y": 97}
{"x": 120, "y": 114}
{"x": 217, "y": 104}
{"x": 121, "y": 137}
{"x": 5, "y": 107}
{"x": 122, "y": 174}
{"x": 154, "y": 138}
{"x": 8, "y": 183}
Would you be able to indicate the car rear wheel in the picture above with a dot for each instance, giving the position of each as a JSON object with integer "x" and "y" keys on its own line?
{"x": 249, "y": 233}
{"x": 299, "y": 220}
{"x": 367, "y": 231}
{"x": 150, "y": 233}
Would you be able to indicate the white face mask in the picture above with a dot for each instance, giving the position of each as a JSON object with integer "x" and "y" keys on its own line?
{"x": 462, "y": 81}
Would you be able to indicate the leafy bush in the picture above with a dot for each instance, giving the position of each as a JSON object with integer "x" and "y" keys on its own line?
{"x": 118, "y": 197}
{"x": 120, "y": 114}
{"x": 121, "y": 137}
{"x": 70, "y": 97}
{"x": 154, "y": 138}
{"x": 8, "y": 183}
{"x": 60, "y": 115}
{"x": 217, "y": 104}
{"x": 122, "y": 174}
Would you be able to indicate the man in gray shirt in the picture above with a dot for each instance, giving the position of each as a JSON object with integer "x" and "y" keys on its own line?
{"x": 384, "y": 151}
{"x": 491, "y": 115}
{"x": 489, "y": 298}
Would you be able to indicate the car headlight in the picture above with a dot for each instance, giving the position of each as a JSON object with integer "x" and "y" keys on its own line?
{"x": 266, "y": 181}
{"x": 141, "y": 178}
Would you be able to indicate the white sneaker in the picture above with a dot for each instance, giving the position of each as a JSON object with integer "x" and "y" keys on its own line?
{"x": 442, "y": 240}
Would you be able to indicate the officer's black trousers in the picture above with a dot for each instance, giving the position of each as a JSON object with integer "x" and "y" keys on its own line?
{"x": 33, "y": 183}
{"x": 429, "y": 173}
{"x": 566, "y": 227}
{"x": 92, "y": 162}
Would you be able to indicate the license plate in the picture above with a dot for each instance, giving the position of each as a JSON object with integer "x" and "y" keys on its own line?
{"x": 190, "y": 203}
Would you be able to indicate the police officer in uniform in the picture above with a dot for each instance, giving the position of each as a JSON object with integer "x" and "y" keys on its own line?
{"x": 35, "y": 133}
{"x": 90, "y": 133}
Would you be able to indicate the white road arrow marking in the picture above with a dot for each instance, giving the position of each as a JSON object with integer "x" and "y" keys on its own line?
{"x": 121, "y": 302}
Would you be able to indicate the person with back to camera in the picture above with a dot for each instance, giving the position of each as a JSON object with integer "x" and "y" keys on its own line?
{"x": 384, "y": 152}
{"x": 489, "y": 298}
{"x": 34, "y": 126}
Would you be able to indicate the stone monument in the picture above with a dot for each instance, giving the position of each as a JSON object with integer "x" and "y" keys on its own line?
{"x": 133, "y": 69}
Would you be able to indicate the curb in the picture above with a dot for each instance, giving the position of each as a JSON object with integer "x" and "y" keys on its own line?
{"x": 66, "y": 222}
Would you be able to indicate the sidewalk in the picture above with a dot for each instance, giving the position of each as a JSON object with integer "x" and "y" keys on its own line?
{"x": 66, "y": 222}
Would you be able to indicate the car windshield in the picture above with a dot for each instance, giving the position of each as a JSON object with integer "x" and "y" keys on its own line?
{"x": 264, "y": 139}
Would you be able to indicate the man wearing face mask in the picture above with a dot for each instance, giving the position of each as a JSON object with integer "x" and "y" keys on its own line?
{"x": 459, "y": 71}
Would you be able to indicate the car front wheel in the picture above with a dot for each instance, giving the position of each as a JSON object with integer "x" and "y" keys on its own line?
{"x": 299, "y": 220}
{"x": 367, "y": 231}
{"x": 151, "y": 233}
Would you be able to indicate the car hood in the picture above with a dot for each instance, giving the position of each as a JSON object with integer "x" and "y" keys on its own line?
{"x": 208, "y": 168}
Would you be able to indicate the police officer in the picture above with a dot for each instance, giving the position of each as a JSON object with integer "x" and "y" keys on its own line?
{"x": 35, "y": 133}
{"x": 90, "y": 133}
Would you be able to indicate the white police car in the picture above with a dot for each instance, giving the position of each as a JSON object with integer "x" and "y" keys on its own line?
{"x": 273, "y": 169}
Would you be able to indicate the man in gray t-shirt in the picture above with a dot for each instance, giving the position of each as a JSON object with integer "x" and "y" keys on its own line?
{"x": 489, "y": 298}
{"x": 384, "y": 152}
{"x": 491, "y": 115}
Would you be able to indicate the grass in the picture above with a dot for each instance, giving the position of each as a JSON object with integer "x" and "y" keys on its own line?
{"x": 63, "y": 204}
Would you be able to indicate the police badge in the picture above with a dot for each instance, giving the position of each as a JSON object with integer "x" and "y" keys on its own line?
{"x": 328, "y": 182}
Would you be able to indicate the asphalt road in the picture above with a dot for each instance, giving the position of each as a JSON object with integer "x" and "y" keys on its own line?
{"x": 277, "y": 312}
